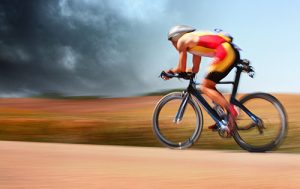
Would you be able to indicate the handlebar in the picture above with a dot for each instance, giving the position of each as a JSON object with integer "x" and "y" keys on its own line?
{"x": 182, "y": 75}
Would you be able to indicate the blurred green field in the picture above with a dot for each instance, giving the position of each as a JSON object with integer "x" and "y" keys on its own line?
{"x": 119, "y": 121}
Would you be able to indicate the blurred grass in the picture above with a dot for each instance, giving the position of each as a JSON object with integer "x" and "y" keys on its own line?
{"x": 121, "y": 121}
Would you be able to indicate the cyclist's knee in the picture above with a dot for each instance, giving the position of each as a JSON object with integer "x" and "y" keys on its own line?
{"x": 205, "y": 88}
{"x": 202, "y": 88}
{"x": 208, "y": 84}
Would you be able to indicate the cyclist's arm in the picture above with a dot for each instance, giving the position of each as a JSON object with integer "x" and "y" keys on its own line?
{"x": 196, "y": 63}
{"x": 181, "y": 67}
{"x": 182, "y": 47}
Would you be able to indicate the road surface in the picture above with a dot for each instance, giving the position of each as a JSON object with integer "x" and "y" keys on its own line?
{"x": 44, "y": 165}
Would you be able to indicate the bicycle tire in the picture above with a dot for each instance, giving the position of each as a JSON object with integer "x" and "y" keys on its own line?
{"x": 282, "y": 131}
{"x": 157, "y": 126}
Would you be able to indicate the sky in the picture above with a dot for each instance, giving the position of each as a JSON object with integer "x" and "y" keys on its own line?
{"x": 119, "y": 47}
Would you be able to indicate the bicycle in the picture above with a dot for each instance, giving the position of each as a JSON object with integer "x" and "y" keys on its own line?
{"x": 260, "y": 126}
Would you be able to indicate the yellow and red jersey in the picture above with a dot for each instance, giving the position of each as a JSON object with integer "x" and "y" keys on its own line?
{"x": 210, "y": 45}
{"x": 216, "y": 45}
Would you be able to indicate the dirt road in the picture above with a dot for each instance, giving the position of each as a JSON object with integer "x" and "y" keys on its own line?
{"x": 42, "y": 165}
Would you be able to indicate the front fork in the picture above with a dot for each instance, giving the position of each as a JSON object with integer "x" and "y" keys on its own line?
{"x": 182, "y": 107}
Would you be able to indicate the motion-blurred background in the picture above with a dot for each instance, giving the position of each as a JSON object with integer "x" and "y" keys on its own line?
{"x": 75, "y": 51}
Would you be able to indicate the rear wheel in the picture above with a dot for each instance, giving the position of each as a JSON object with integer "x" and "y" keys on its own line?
{"x": 177, "y": 134}
{"x": 268, "y": 131}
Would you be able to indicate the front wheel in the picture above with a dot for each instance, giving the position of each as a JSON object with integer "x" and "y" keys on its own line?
{"x": 177, "y": 134}
{"x": 266, "y": 128}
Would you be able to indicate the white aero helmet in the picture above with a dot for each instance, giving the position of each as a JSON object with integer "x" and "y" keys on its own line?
{"x": 177, "y": 31}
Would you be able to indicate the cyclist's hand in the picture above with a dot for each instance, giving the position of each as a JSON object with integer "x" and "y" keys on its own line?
{"x": 164, "y": 76}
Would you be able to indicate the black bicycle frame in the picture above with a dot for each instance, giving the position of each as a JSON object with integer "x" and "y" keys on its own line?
{"x": 192, "y": 90}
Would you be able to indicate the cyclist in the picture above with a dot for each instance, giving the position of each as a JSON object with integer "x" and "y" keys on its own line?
{"x": 208, "y": 44}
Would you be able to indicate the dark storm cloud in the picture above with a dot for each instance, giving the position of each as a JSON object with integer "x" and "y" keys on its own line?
{"x": 72, "y": 47}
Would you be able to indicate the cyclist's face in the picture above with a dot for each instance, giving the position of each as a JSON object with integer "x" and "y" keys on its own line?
{"x": 174, "y": 43}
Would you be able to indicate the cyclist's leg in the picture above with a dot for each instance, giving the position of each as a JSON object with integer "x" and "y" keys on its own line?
{"x": 217, "y": 72}
{"x": 208, "y": 87}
